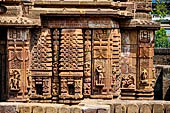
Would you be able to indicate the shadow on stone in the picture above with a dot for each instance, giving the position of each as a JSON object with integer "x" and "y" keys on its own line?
{"x": 158, "y": 87}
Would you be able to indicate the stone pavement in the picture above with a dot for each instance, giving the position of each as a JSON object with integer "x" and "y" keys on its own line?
{"x": 89, "y": 106}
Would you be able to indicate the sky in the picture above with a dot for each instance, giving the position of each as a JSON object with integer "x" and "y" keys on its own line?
{"x": 154, "y": 1}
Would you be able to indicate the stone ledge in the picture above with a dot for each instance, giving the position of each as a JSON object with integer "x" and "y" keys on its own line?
{"x": 162, "y": 51}
{"x": 89, "y": 106}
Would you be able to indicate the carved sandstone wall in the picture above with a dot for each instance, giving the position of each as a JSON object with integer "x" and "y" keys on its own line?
{"x": 65, "y": 51}
{"x": 68, "y": 65}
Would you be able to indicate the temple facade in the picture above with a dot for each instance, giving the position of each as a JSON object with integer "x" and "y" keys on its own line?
{"x": 64, "y": 51}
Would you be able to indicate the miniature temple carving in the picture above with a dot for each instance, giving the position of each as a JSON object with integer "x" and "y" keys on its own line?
{"x": 66, "y": 54}
{"x": 41, "y": 64}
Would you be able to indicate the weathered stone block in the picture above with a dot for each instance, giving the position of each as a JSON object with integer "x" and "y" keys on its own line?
{"x": 76, "y": 109}
{"x": 120, "y": 108}
{"x": 51, "y": 109}
{"x": 38, "y": 109}
{"x": 132, "y": 108}
{"x": 145, "y": 108}
{"x": 64, "y": 109}
{"x": 24, "y": 109}
{"x": 158, "y": 108}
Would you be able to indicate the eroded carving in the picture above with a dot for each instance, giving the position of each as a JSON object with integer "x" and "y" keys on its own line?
{"x": 14, "y": 80}
{"x": 87, "y": 63}
{"x": 146, "y": 36}
{"x": 99, "y": 75}
{"x": 128, "y": 81}
{"x": 144, "y": 75}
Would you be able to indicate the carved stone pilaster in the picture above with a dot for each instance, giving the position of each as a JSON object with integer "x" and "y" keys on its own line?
{"x": 18, "y": 61}
{"x": 87, "y": 63}
{"x": 106, "y": 59}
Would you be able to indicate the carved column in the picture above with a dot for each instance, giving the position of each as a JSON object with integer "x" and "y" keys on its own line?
{"x": 146, "y": 76}
{"x": 18, "y": 59}
{"x": 116, "y": 62}
{"x": 87, "y": 63}
{"x": 55, "y": 79}
{"x": 41, "y": 65}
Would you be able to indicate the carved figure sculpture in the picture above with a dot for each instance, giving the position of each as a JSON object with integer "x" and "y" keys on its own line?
{"x": 87, "y": 69}
{"x": 144, "y": 74}
{"x": 128, "y": 81}
{"x": 14, "y": 80}
{"x": 100, "y": 75}
{"x": 29, "y": 83}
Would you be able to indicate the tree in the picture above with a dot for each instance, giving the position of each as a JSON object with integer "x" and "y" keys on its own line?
{"x": 161, "y": 40}
{"x": 160, "y": 9}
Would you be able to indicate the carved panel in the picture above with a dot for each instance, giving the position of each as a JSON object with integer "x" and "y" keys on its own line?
{"x": 128, "y": 81}
{"x": 71, "y": 63}
{"x": 18, "y": 34}
{"x": 146, "y": 52}
{"x": 15, "y": 80}
{"x": 18, "y": 61}
{"x": 144, "y": 6}
{"x": 40, "y": 50}
{"x": 146, "y": 36}
{"x": 128, "y": 59}
{"x": 116, "y": 60}
{"x": 41, "y": 87}
{"x": 106, "y": 54}
{"x": 71, "y": 88}
{"x": 71, "y": 52}
{"x": 55, "y": 80}
{"x": 41, "y": 64}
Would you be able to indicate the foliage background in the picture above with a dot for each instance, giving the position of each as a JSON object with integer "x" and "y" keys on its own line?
{"x": 161, "y": 38}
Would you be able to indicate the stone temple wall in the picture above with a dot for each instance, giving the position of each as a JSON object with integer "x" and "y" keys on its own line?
{"x": 162, "y": 73}
{"x": 162, "y": 56}
{"x": 64, "y": 51}
{"x": 98, "y": 106}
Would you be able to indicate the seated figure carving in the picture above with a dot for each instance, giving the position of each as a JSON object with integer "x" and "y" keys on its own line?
{"x": 144, "y": 76}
